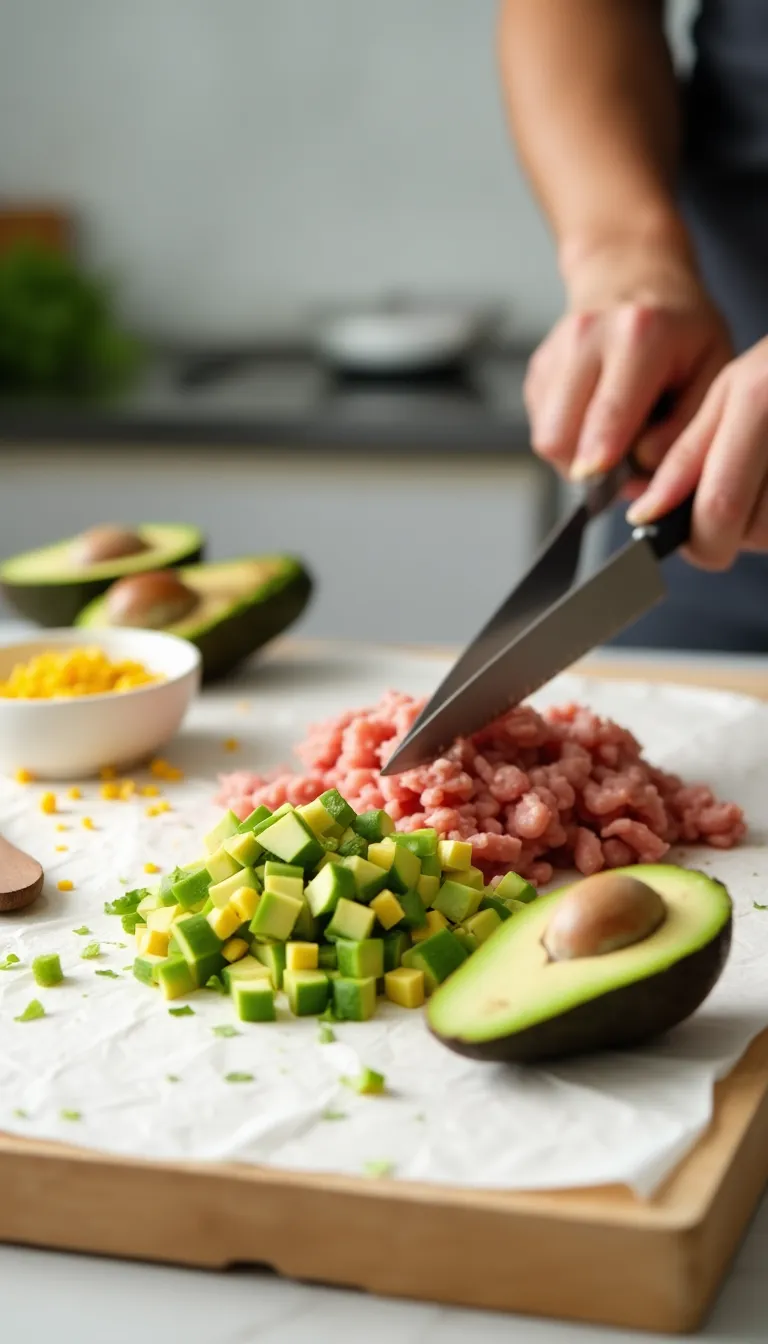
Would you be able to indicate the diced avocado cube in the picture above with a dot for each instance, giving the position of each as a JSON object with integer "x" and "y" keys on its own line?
{"x": 200, "y": 947}
{"x": 383, "y": 853}
{"x": 272, "y": 956}
{"x": 300, "y": 956}
{"x": 224, "y": 921}
{"x": 318, "y": 818}
{"x": 285, "y": 886}
{"x": 328, "y": 886}
{"x": 276, "y": 915}
{"x": 414, "y": 914}
{"x": 437, "y": 957}
{"x": 259, "y": 814}
{"x": 404, "y": 871}
{"x": 422, "y": 843}
{"x": 145, "y": 968}
{"x": 307, "y": 928}
{"x": 222, "y": 831}
{"x": 327, "y": 957}
{"x": 354, "y": 999}
{"x": 468, "y": 940}
{"x": 493, "y": 903}
{"x": 435, "y": 921}
{"x": 189, "y": 890}
{"x": 244, "y": 848}
{"x": 368, "y": 1082}
{"x": 254, "y": 1000}
{"x": 457, "y": 902}
{"x": 483, "y": 924}
{"x": 373, "y": 826}
{"x": 244, "y": 903}
{"x": 430, "y": 866}
{"x": 468, "y": 877}
{"x": 149, "y": 902}
{"x": 427, "y": 888}
{"x": 290, "y": 839}
{"x": 307, "y": 992}
{"x": 387, "y": 909}
{"x": 395, "y": 946}
{"x": 234, "y": 950}
{"x": 46, "y": 970}
{"x": 162, "y": 919}
{"x": 338, "y": 807}
{"x": 222, "y": 893}
{"x": 221, "y": 865}
{"x": 360, "y": 959}
{"x": 264, "y": 825}
{"x": 274, "y": 868}
{"x": 455, "y": 854}
{"x": 405, "y": 986}
{"x": 513, "y": 906}
{"x": 327, "y": 858}
{"x": 175, "y": 978}
{"x": 514, "y": 887}
{"x": 247, "y": 968}
{"x": 351, "y": 920}
{"x": 369, "y": 879}
{"x": 207, "y": 906}
{"x": 354, "y": 847}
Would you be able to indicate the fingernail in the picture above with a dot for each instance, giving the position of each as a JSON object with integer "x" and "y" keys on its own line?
{"x": 586, "y": 466}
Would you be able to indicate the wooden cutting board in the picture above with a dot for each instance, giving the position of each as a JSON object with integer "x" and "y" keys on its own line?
{"x": 597, "y": 1255}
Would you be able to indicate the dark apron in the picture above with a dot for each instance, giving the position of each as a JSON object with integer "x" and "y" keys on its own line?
{"x": 724, "y": 196}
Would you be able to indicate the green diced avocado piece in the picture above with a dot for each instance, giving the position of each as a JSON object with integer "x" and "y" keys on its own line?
{"x": 307, "y": 929}
{"x": 514, "y": 887}
{"x": 167, "y": 882}
{"x": 373, "y": 826}
{"x": 254, "y": 1000}
{"x": 437, "y": 957}
{"x": 319, "y": 819}
{"x": 328, "y": 886}
{"x": 189, "y": 890}
{"x": 353, "y": 847}
{"x": 259, "y": 814}
{"x": 244, "y": 848}
{"x": 338, "y": 807}
{"x": 492, "y": 903}
{"x": 327, "y": 858}
{"x": 483, "y": 924}
{"x": 396, "y": 944}
{"x": 327, "y": 958}
{"x": 414, "y": 914}
{"x": 358, "y": 960}
{"x": 513, "y": 906}
{"x": 264, "y": 825}
{"x": 427, "y": 888}
{"x": 307, "y": 992}
{"x": 145, "y": 968}
{"x": 368, "y": 1082}
{"x": 274, "y": 868}
{"x": 149, "y": 902}
{"x": 468, "y": 940}
{"x": 290, "y": 839}
{"x": 456, "y": 901}
{"x": 221, "y": 832}
{"x": 285, "y": 886}
{"x": 369, "y": 878}
{"x": 468, "y": 877}
{"x": 221, "y": 865}
{"x": 404, "y": 872}
{"x": 354, "y": 999}
{"x": 175, "y": 978}
{"x": 430, "y": 866}
{"x": 423, "y": 843}
{"x": 276, "y": 916}
{"x": 47, "y": 971}
{"x": 222, "y": 893}
{"x": 350, "y": 920}
{"x": 272, "y": 955}
{"x": 247, "y": 968}
{"x": 199, "y": 946}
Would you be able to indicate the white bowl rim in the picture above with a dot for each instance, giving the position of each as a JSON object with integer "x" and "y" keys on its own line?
{"x": 64, "y": 634}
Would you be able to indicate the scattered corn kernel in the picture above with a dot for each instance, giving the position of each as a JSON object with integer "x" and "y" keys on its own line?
{"x": 234, "y": 949}
{"x": 244, "y": 903}
{"x": 61, "y": 826}
{"x": 23, "y": 776}
{"x": 149, "y": 791}
{"x": 110, "y": 790}
{"x": 231, "y": 744}
{"x": 48, "y": 803}
{"x": 74, "y": 793}
{"x": 301, "y": 956}
{"x": 405, "y": 986}
{"x": 65, "y": 885}
{"x": 152, "y": 811}
{"x": 127, "y": 789}
{"x": 164, "y": 770}
{"x": 88, "y": 824}
{"x": 73, "y": 672}
{"x": 151, "y": 868}
{"x": 164, "y": 805}
{"x": 62, "y": 849}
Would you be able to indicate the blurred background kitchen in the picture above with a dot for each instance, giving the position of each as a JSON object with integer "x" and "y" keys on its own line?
{"x": 316, "y": 234}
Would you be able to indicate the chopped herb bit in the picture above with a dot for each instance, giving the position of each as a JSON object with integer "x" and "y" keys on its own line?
{"x": 328, "y": 1015}
{"x": 92, "y": 950}
{"x": 111, "y": 975}
{"x": 127, "y": 903}
{"x": 326, "y": 1035}
{"x": 82, "y": 931}
{"x": 379, "y": 1167}
{"x": 330, "y": 1114}
{"x": 131, "y": 922}
{"x": 368, "y": 1082}
{"x": 186, "y": 1011}
{"x": 20, "y": 1114}
{"x": 758, "y": 906}
{"x": 9, "y": 962}
{"x": 226, "y": 1030}
{"x": 70, "y": 1115}
{"x": 215, "y": 984}
{"x": 33, "y": 1010}
{"x": 172, "y": 1078}
{"x": 238, "y": 1077}
{"x": 421, "y": 1117}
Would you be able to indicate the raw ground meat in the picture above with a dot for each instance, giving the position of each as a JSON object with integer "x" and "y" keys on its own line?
{"x": 531, "y": 791}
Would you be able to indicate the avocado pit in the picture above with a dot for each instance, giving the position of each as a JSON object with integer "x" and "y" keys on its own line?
{"x": 151, "y": 601}
{"x": 603, "y": 914}
{"x": 108, "y": 541}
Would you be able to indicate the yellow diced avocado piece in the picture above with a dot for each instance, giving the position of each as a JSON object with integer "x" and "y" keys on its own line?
{"x": 222, "y": 892}
{"x": 234, "y": 949}
{"x": 244, "y": 848}
{"x": 435, "y": 922}
{"x": 382, "y": 854}
{"x": 307, "y": 992}
{"x": 387, "y": 909}
{"x": 301, "y": 956}
{"x": 222, "y": 831}
{"x": 276, "y": 915}
{"x": 405, "y": 986}
{"x": 220, "y": 865}
{"x": 248, "y": 968}
{"x": 174, "y": 978}
{"x": 469, "y": 877}
{"x": 154, "y": 943}
{"x": 292, "y": 840}
{"x": 350, "y": 920}
{"x": 404, "y": 871}
{"x": 457, "y": 902}
{"x": 319, "y": 819}
{"x": 456, "y": 854}
{"x": 244, "y": 903}
{"x": 224, "y": 922}
{"x": 162, "y": 919}
{"x": 483, "y": 924}
{"x": 427, "y": 887}
{"x": 284, "y": 886}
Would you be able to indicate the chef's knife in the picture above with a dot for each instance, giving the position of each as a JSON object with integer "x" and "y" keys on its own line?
{"x": 545, "y": 625}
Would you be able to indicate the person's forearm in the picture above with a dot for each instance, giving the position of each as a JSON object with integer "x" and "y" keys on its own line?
{"x": 592, "y": 100}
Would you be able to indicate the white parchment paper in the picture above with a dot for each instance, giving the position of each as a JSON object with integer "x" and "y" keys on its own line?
{"x": 107, "y": 1047}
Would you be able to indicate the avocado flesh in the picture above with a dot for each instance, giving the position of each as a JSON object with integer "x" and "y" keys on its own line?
{"x": 242, "y": 605}
{"x": 46, "y": 586}
{"x": 509, "y": 1002}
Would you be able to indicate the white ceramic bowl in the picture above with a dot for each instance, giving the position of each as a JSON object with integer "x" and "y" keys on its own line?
{"x": 73, "y": 738}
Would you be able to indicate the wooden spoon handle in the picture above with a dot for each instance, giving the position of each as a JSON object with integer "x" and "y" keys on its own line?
{"x": 21, "y": 878}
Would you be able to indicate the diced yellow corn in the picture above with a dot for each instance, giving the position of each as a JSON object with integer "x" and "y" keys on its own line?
{"x": 455, "y": 854}
{"x": 23, "y": 776}
{"x": 163, "y": 770}
{"x": 301, "y": 956}
{"x": 62, "y": 849}
{"x": 149, "y": 791}
{"x": 74, "y": 793}
{"x": 405, "y": 986}
{"x": 435, "y": 922}
{"x": 110, "y": 791}
{"x": 151, "y": 868}
{"x": 155, "y": 943}
{"x": 71, "y": 672}
{"x": 164, "y": 806}
{"x": 387, "y": 909}
{"x": 244, "y": 903}
{"x": 153, "y": 810}
{"x": 224, "y": 922}
{"x": 163, "y": 918}
{"x": 48, "y": 803}
{"x": 60, "y": 826}
{"x": 127, "y": 790}
{"x": 234, "y": 949}
{"x": 88, "y": 824}
{"x": 65, "y": 885}
{"x": 231, "y": 744}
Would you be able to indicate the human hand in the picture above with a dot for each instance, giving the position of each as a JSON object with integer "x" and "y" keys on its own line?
{"x": 723, "y": 456}
{"x": 639, "y": 325}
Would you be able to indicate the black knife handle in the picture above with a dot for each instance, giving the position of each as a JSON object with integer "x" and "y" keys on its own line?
{"x": 668, "y": 533}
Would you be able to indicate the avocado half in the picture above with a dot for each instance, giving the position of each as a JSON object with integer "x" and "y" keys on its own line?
{"x": 242, "y": 604}
{"x": 509, "y": 1002}
{"x": 50, "y": 585}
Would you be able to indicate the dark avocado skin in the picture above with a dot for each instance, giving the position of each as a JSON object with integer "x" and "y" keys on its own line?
{"x": 59, "y": 604}
{"x": 243, "y": 631}
{"x": 617, "y": 1020}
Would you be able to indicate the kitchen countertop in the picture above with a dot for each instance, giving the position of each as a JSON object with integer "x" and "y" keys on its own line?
{"x": 89, "y": 1301}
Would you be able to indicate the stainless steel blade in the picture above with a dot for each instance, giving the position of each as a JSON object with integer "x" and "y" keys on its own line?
{"x": 624, "y": 588}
